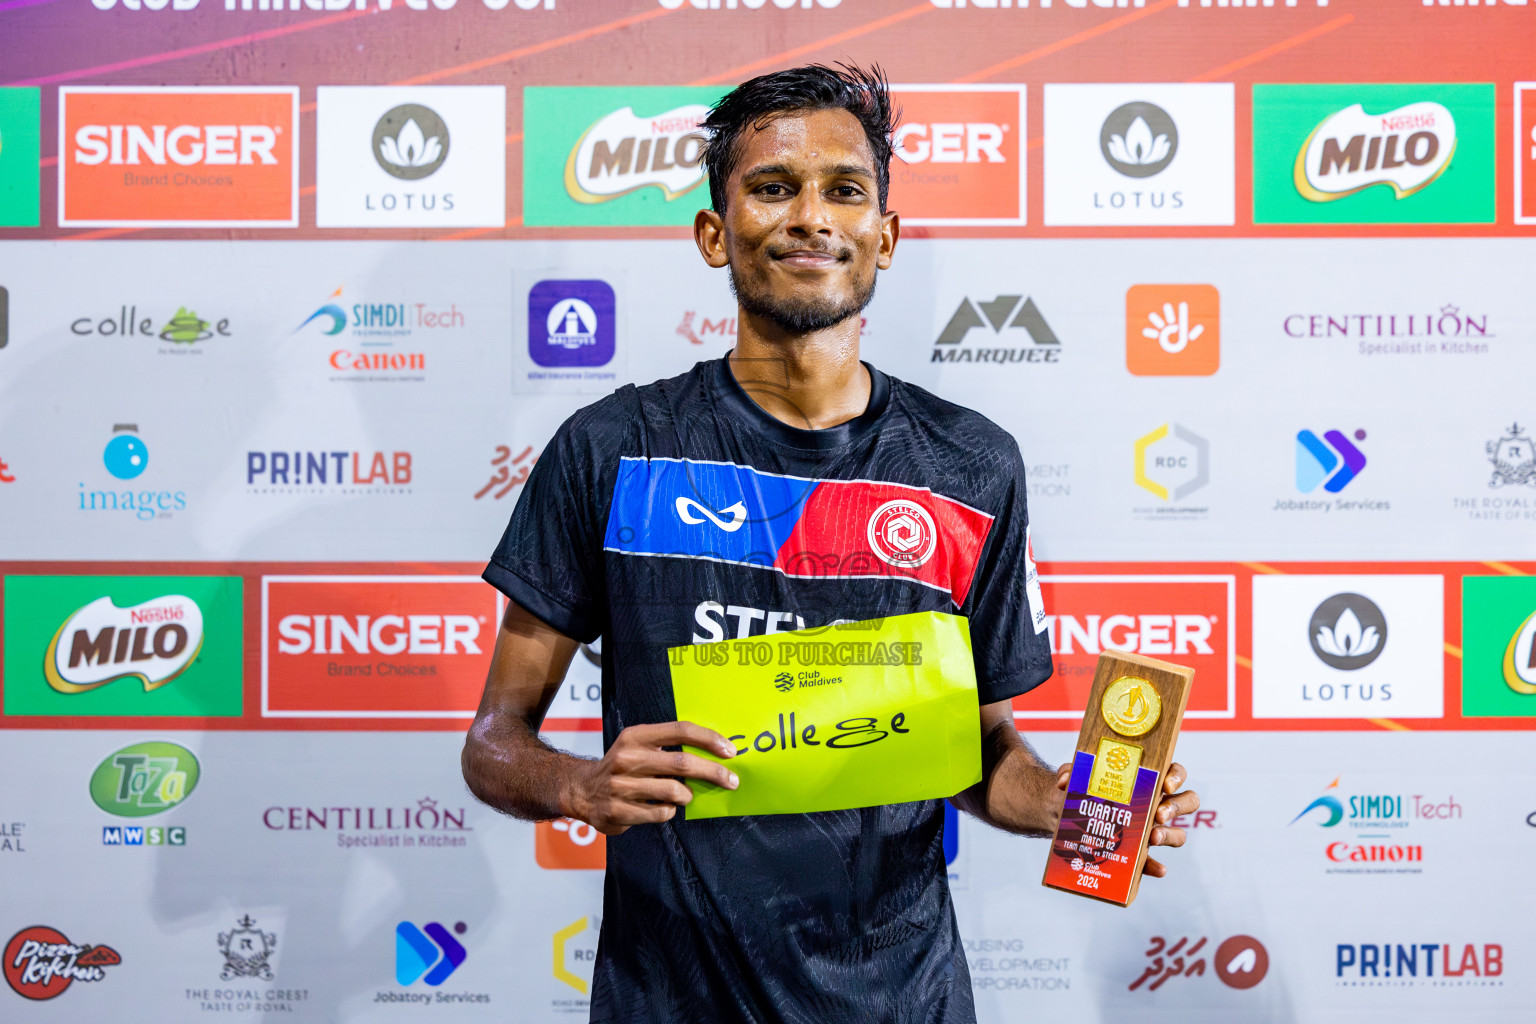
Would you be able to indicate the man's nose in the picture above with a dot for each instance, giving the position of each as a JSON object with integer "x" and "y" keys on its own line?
{"x": 808, "y": 213}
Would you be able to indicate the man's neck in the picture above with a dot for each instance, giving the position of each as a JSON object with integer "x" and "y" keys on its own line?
{"x": 811, "y": 381}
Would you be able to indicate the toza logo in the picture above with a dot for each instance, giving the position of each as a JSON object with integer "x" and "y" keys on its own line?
{"x": 622, "y": 152}
{"x": 247, "y": 951}
{"x": 410, "y": 142}
{"x": 1139, "y": 139}
{"x": 1348, "y": 632}
{"x": 1316, "y": 461}
{"x": 153, "y": 642}
{"x": 144, "y": 779}
{"x": 687, "y": 507}
{"x": 430, "y": 955}
{"x": 1407, "y": 149}
{"x": 1514, "y": 459}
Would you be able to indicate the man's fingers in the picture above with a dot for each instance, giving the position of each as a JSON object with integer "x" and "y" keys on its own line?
{"x": 1154, "y": 868}
{"x": 671, "y": 734}
{"x": 1177, "y": 806}
{"x": 1167, "y": 836}
{"x": 1175, "y": 778}
{"x": 1063, "y": 775}
{"x": 645, "y": 789}
{"x": 622, "y": 814}
{"x": 678, "y": 763}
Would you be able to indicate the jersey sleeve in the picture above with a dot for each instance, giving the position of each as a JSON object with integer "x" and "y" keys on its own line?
{"x": 550, "y": 559}
{"x": 1009, "y": 639}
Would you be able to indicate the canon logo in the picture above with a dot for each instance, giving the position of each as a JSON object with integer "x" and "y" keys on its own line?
{"x": 184, "y": 144}
{"x": 1139, "y": 634}
{"x": 386, "y": 634}
{"x": 950, "y": 143}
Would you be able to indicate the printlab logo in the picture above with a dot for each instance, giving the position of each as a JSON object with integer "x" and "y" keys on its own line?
{"x": 1241, "y": 962}
{"x": 1348, "y": 632}
{"x": 1172, "y": 330}
{"x": 410, "y": 142}
{"x": 1139, "y": 139}
{"x": 1005, "y": 312}
{"x": 571, "y": 323}
{"x": 40, "y": 963}
{"x": 1404, "y": 964}
{"x": 247, "y": 951}
{"x": 429, "y": 954}
{"x": 1514, "y": 459}
{"x": 1172, "y": 462}
{"x": 1331, "y": 460}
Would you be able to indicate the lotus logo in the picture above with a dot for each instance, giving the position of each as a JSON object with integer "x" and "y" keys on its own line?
{"x": 690, "y": 511}
{"x": 1348, "y": 631}
{"x": 410, "y": 142}
{"x": 153, "y": 642}
{"x": 1139, "y": 139}
{"x": 1406, "y": 149}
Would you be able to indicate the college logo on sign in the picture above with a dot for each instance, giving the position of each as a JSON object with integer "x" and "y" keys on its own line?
{"x": 959, "y": 156}
{"x": 1151, "y": 155}
{"x": 1498, "y": 636}
{"x": 1172, "y": 330}
{"x": 614, "y": 155}
{"x": 375, "y": 646}
{"x": 1362, "y": 154}
{"x": 123, "y": 645}
{"x": 40, "y": 963}
{"x": 20, "y": 138}
{"x": 1348, "y": 646}
{"x": 144, "y": 157}
{"x": 410, "y": 156}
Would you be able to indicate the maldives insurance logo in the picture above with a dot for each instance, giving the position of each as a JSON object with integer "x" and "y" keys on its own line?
{"x": 1368, "y": 154}
{"x": 147, "y": 157}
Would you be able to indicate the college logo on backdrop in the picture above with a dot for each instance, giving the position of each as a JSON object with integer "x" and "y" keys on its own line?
{"x": 410, "y": 156}
{"x": 140, "y": 156}
{"x": 20, "y": 137}
{"x": 604, "y": 156}
{"x": 183, "y": 329}
{"x": 959, "y": 155}
{"x": 1364, "y": 154}
{"x": 1171, "y": 462}
{"x": 1348, "y": 646}
{"x": 1188, "y": 618}
{"x": 40, "y": 963}
{"x": 1498, "y": 637}
{"x": 123, "y": 645}
{"x": 996, "y": 319}
{"x": 1139, "y": 154}
{"x": 375, "y": 646}
{"x": 1172, "y": 330}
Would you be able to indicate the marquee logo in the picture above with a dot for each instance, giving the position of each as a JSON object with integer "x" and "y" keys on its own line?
{"x": 153, "y": 642}
{"x": 40, "y": 963}
{"x": 959, "y": 155}
{"x": 1004, "y": 312}
{"x": 137, "y": 156}
{"x": 1404, "y": 964}
{"x": 144, "y": 779}
{"x": 1405, "y": 149}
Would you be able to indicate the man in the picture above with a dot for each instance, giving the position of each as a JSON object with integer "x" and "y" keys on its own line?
{"x": 631, "y": 527}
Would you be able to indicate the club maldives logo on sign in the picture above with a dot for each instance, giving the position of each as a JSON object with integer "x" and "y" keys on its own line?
{"x": 1149, "y": 155}
{"x": 40, "y": 963}
{"x": 20, "y": 138}
{"x": 1348, "y": 646}
{"x": 1191, "y": 619}
{"x": 1364, "y": 154}
{"x": 147, "y": 157}
{"x": 959, "y": 156}
{"x": 123, "y": 645}
{"x": 410, "y": 156}
{"x": 1172, "y": 330}
{"x": 614, "y": 156}
{"x": 375, "y": 646}
{"x": 1498, "y": 636}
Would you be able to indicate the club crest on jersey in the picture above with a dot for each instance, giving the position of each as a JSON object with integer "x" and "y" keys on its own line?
{"x": 902, "y": 533}
{"x": 692, "y": 513}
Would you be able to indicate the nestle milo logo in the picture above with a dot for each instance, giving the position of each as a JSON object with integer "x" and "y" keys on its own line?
{"x": 152, "y": 642}
{"x": 144, "y": 779}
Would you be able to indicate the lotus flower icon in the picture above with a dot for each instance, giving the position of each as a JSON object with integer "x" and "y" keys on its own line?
{"x": 1347, "y": 638}
{"x": 1139, "y": 139}
{"x": 1138, "y": 145}
{"x": 1348, "y": 631}
{"x": 410, "y": 141}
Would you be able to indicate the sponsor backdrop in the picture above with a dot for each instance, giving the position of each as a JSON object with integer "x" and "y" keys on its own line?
{"x": 293, "y": 295}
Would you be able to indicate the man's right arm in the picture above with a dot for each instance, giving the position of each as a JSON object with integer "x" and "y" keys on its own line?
{"x": 510, "y": 768}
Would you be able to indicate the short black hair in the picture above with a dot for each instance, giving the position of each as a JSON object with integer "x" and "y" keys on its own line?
{"x": 863, "y": 93}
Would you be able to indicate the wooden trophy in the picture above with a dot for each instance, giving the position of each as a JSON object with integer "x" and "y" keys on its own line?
{"x": 1125, "y": 747}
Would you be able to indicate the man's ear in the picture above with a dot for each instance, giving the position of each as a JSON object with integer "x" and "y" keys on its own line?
{"x": 709, "y": 236}
{"x": 890, "y": 234}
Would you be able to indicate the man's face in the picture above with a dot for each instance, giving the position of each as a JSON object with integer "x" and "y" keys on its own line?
{"x": 802, "y": 230}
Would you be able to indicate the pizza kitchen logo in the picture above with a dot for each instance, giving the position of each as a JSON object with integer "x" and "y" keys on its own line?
{"x": 40, "y": 963}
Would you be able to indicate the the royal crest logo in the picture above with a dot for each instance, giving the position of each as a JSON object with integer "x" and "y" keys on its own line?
{"x": 1514, "y": 459}
{"x": 40, "y": 963}
{"x": 1350, "y": 150}
{"x": 153, "y": 642}
{"x": 622, "y": 152}
{"x": 247, "y": 951}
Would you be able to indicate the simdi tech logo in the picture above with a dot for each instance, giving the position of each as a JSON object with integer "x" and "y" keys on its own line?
{"x": 146, "y": 157}
{"x": 1147, "y": 155}
{"x": 159, "y": 646}
{"x": 1172, "y": 330}
{"x": 382, "y": 338}
{"x": 959, "y": 155}
{"x": 1373, "y": 154}
{"x": 410, "y": 156}
{"x": 1498, "y": 638}
{"x": 614, "y": 156}
{"x": 20, "y": 138}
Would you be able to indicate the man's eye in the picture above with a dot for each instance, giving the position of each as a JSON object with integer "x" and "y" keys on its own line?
{"x": 846, "y": 191}
{"x": 774, "y": 188}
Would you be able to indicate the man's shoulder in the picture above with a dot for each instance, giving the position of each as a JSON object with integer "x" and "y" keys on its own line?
{"x": 615, "y": 420}
{"x": 950, "y": 423}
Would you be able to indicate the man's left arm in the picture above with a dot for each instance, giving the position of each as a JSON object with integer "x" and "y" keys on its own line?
{"x": 1020, "y": 793}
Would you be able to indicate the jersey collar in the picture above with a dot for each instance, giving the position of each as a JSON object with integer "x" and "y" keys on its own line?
{"x": 742, "y": 405}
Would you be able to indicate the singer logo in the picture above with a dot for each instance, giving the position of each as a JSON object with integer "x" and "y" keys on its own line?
{"x": 1189, "y": 620}
{"x": 375, "y": 646}
{"x": 959, "y": 156}
{"x": 178, "y": 157}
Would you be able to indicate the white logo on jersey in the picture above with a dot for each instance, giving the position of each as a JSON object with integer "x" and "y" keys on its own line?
{"x": 687, "y": 506}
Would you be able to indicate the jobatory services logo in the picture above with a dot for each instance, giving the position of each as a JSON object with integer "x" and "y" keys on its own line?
{"x": 1139, "y": 155}
{"x": 146, "y": 157}
{"x": 429, "y": 955}
{"x": 959, "y": 156}
{"x": 123, "y": 645}
{"x": 1366, "y": 154}
{"x": 419, "y": 156}
{"x": 1373, "y": 831}
{"x": 1348, "y": 646}
{"x": 375, "y": 646}
{"x": 20, "y": 138}
{"x": 1331, "y": 461}
{"x": 1498, "y": 637}
{"x": 1172, "y": 330}
{"x": 993, "y": 316}
{"x": 614, "y": 156}
{"x": 568, "y": 844}
{"x": 1172, "y": 462}
{"x": 1418, "y": 964}
{"x": 40, "y": 963}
